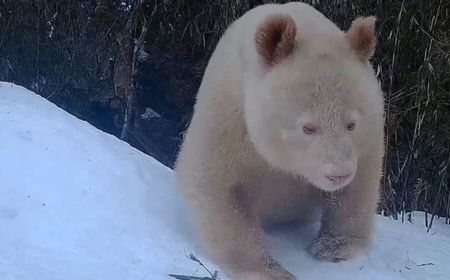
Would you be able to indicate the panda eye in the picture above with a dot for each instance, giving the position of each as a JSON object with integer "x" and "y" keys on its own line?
{"x": 309, "y": 129}
{"x": 351, "y": 126}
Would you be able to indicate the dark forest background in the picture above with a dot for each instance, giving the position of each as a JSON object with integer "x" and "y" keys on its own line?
{"x": 132, "y": 69}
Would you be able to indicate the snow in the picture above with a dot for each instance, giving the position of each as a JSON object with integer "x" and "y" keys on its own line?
{"x": 79, "y": 204}
{"x": 150, "y": 114}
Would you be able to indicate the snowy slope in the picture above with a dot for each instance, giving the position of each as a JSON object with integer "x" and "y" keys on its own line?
{"x": 79, "y": 204}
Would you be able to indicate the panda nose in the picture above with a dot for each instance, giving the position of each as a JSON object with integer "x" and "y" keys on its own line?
{"x": 338, "y": 179}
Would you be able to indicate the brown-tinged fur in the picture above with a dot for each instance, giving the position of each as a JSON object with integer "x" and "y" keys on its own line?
{"x": 361, "y": 37}
{"x": 275, "y": 39}
{"x": 247, "y": 162}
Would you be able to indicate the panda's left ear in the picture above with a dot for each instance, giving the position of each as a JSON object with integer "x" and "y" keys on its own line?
{"x": 362, "y": 38}
{"x": 275, "y": 39}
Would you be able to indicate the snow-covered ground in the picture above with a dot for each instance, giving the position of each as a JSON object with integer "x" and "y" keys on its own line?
{"x": 79, "y": 204}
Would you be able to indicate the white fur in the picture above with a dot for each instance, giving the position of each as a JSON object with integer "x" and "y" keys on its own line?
{"x": 246, "y": 161}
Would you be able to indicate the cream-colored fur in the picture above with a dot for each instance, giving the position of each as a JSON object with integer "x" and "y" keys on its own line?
{"x": 287, "y": 99}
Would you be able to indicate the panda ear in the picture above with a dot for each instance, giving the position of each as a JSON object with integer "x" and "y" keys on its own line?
{"x": 275, "y": 39}
{"x": 362, "y": 38}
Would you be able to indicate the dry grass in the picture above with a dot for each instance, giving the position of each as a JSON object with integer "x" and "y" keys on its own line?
{"x": 212, "y": 275}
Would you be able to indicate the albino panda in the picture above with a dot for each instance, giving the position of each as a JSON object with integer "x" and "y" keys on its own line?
{"x": 289, "y": 117}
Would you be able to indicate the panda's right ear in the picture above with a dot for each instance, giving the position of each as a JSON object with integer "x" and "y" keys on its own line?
{"x": 275, "y": 39}
{"x": 362, "y": 38}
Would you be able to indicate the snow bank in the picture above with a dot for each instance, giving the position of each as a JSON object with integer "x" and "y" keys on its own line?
{"x": 77, "y": 203}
